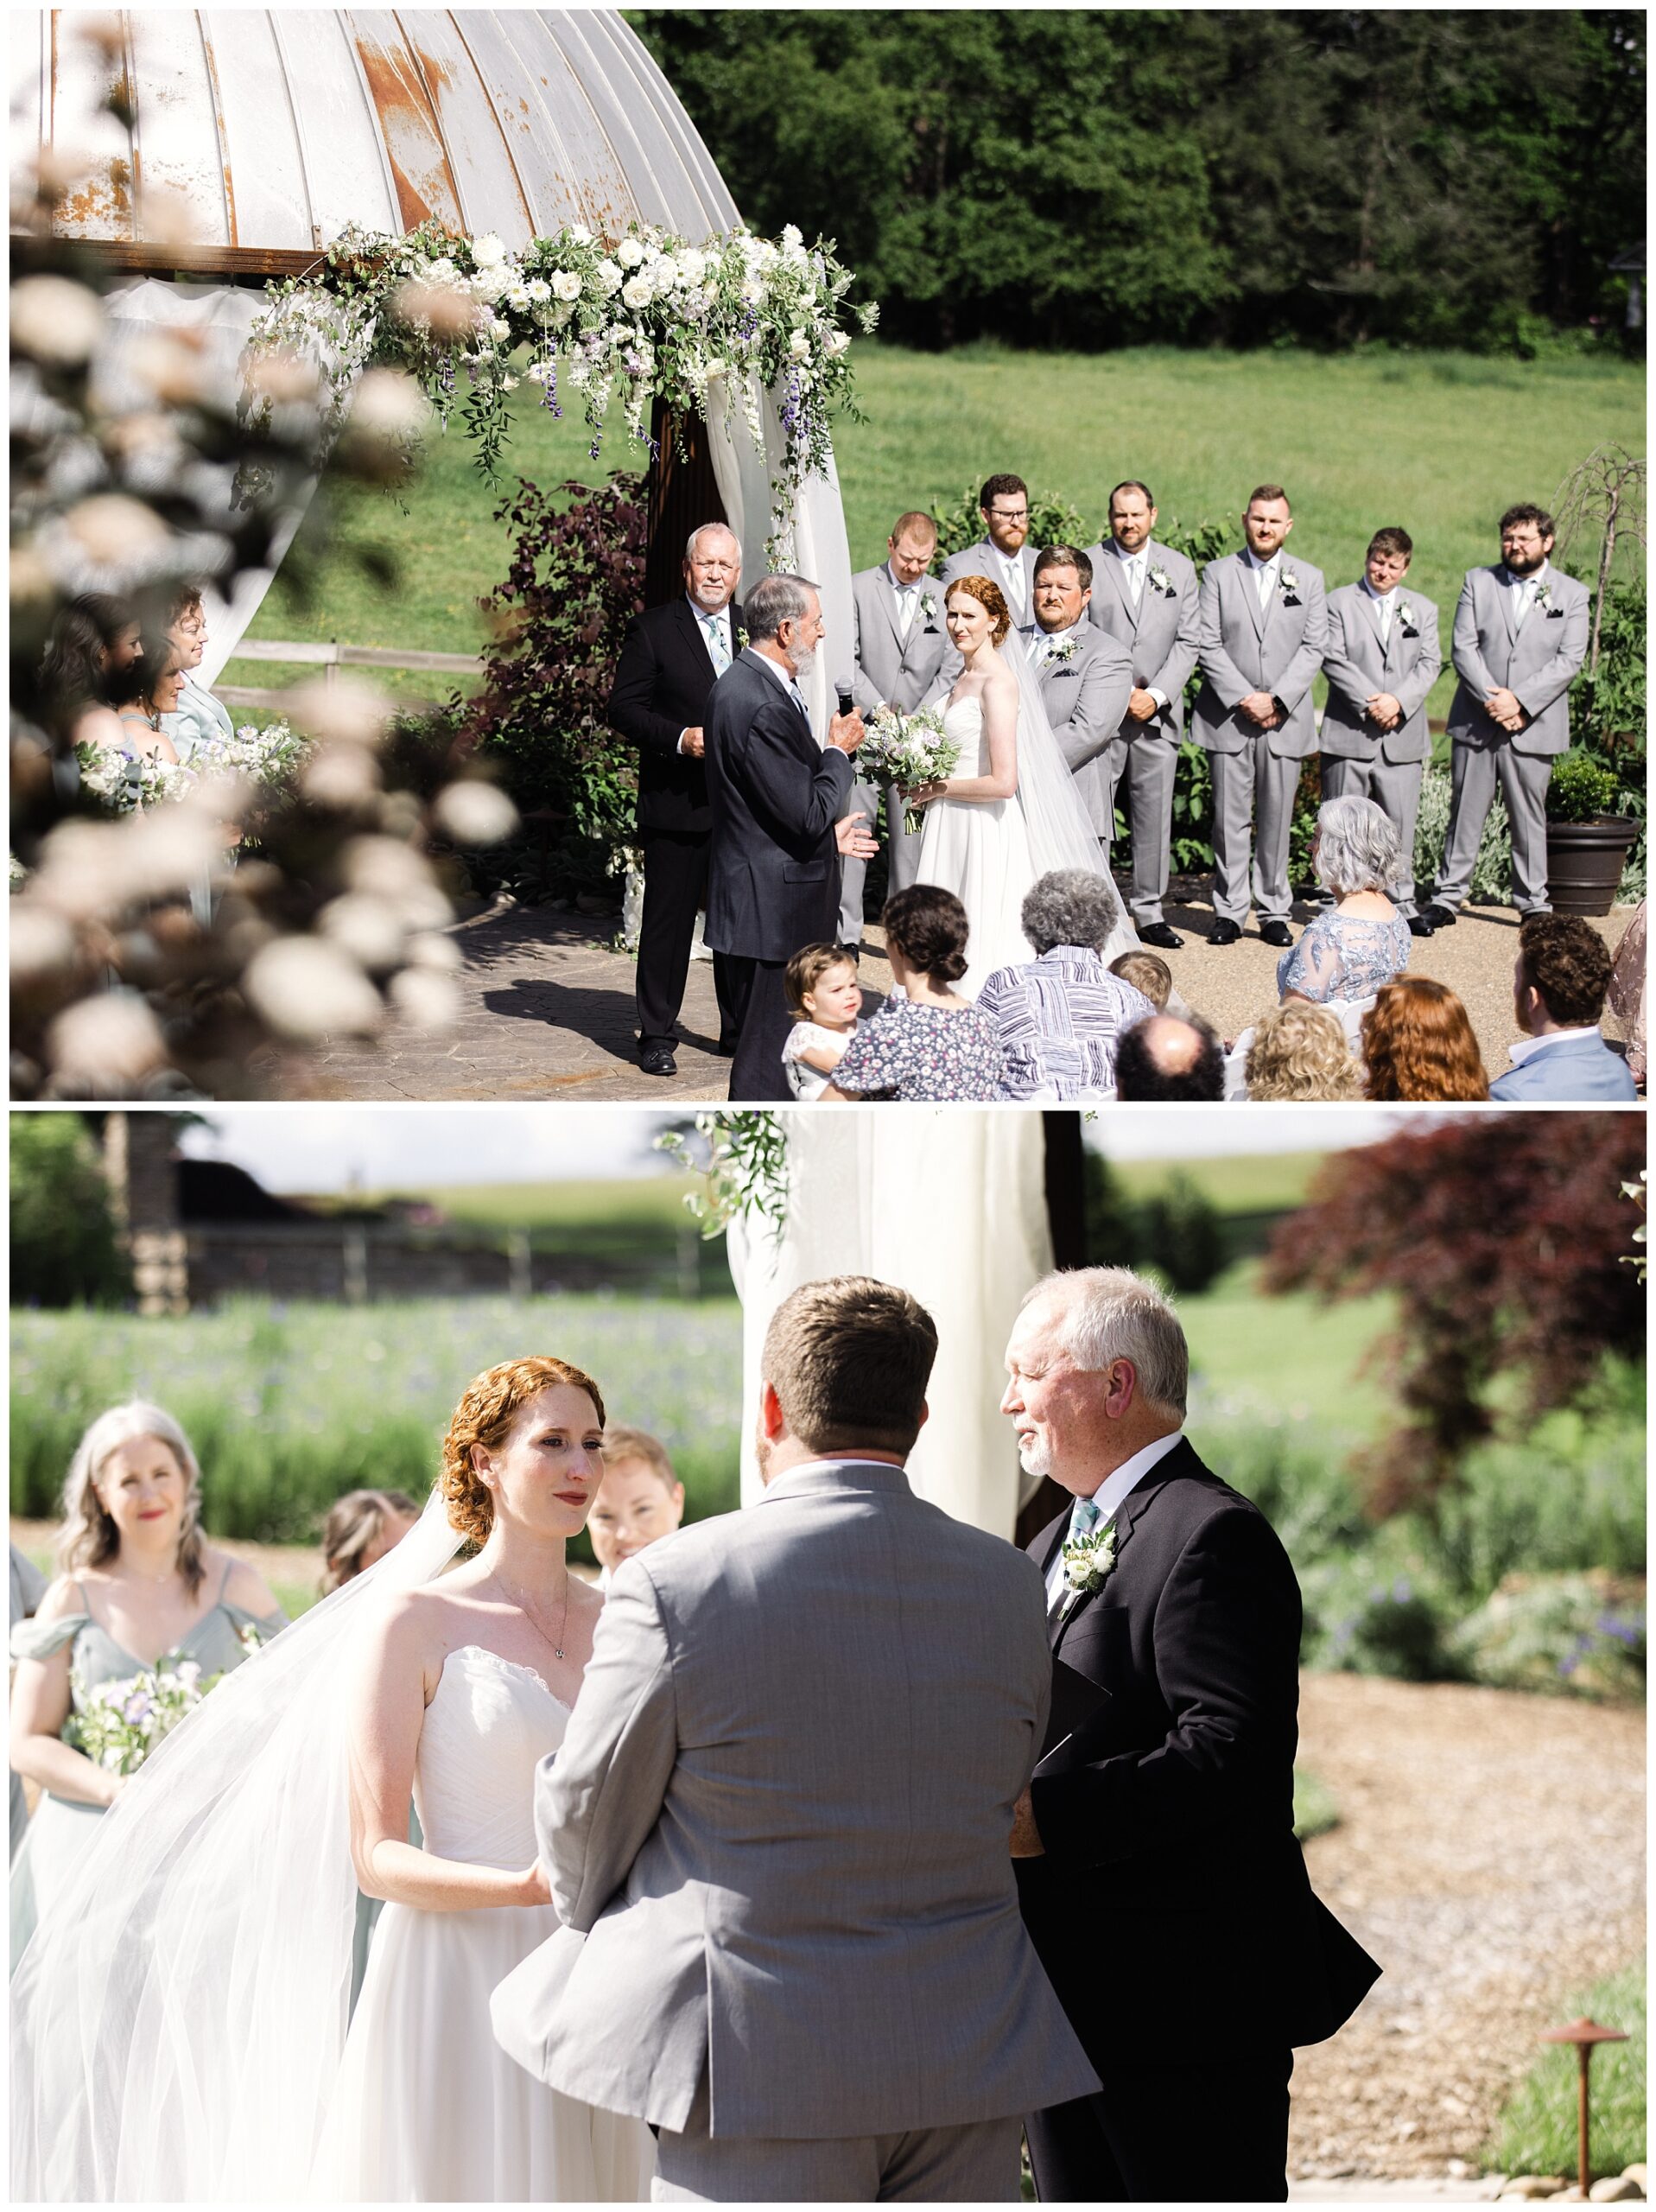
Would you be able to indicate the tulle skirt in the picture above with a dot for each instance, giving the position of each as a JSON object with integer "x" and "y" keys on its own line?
{"x": 979, "y": 849}
{"x": 430, "y": 2109}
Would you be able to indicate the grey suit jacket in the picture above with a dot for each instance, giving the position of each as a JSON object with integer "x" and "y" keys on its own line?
{"x": 1244, "y": 647}
{"x": 1085, "y": 698}
{"x": 1537, "y": 663}
{"x": 891, "y": 668}
{"x": 1160, "y": 633}
{"x": 1357, "y": 665}
{"x": 777, "y": 1828}
{"x": 982, "y": 560}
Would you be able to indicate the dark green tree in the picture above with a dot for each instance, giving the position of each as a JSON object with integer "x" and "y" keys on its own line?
{"x": 1180, "y": 1233}
{"x": 63, "y": 1248}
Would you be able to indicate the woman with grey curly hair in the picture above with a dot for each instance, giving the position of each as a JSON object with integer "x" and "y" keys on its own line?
{"x": 1060, "y": 1015}
{"x": 1354, "y": 947}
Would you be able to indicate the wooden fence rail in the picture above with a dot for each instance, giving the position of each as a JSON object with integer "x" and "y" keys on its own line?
{"x": 330, "y": 658}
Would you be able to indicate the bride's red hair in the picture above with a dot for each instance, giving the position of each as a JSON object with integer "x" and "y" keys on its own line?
{"x": 491, "y": 1401}
{"x": 989, "y": 597}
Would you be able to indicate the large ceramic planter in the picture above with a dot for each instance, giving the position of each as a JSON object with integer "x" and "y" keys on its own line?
{"x": 1585, "y": 860}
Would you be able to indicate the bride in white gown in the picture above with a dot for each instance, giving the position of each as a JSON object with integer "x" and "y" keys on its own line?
{"x": 1012, "y": 814}
{"x": 179, "y": 2027}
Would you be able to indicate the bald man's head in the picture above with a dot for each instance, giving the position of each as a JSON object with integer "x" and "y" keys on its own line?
{"x": 1164, "y": 1058}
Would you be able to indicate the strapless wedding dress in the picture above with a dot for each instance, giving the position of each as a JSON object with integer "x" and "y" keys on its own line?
{"x": 979, "y": 849}
{"x": 429, "y": 2108}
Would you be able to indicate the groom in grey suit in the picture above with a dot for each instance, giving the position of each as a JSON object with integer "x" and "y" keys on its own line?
{"x": 1003, "y": 553}
{"x": 900, "y": 643}
{"x": 777, "y": 1831}
{"x": 1144, "y": 594}
{"x": 1383, "y": 659}
{"x": 1263, "y": 630}
{"x": 1085, "y": 676}
{"x": 1520, "y": 640}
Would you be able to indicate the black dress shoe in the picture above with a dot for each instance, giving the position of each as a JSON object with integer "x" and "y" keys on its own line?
{"x": 1277, "y": 933}
{"x": 1158, "y": 934}
{"x": 1224, "y": 932}
{"x": 1419, "y": 927}
{"x": 1441, "y": 918}
{"x": 658, "y": 1059}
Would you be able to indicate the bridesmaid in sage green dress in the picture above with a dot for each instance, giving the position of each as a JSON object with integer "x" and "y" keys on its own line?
{"x": 141, "y": 1591}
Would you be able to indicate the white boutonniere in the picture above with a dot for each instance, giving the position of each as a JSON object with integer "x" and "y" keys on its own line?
{"x": 741, "y": 641}
{"x": 928, "y": 605}
{"x": 1064, "y": 649}
{"x": 1543, "y": 599}
{"x": 1086, "y": 1560}
{"x": 1289, "y": 583}
{"x": 1406, "y": 616}
{"x": 1161, "y": 581}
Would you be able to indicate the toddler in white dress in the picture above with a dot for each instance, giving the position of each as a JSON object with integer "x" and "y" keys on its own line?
{"x": 826, "y": 1000}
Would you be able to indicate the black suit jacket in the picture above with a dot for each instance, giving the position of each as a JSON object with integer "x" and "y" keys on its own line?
{"x": 773, "y": 869}
{"x": 663, "y": 686}
{"x": 1171, "y": 1909}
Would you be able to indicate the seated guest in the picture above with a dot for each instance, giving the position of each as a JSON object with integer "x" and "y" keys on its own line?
{"x": 1060, "y": 1015}
{"x": 360, "y": 1528}
{"x": 1163, "y": 1058}
{"x": 1419, "y": 1045}
{"x": 930, "y": 1043}
{"x": 825, "y": 1000}
{"x": 640, "y": 1500}
{"x": 1625, "y": 1002}
{"x": 1148, "y": 973}
{"x": 1299, "y": 1050}
{"x": 1354, "y": 947}
{"x": 1559, "y": 980}
{"x": 199, "y": 718}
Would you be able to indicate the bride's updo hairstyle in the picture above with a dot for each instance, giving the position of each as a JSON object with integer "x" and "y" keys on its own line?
{"x": 988, "y": 595}
{"x": 491, "y": 1401}
{"x": 929, "y": 927}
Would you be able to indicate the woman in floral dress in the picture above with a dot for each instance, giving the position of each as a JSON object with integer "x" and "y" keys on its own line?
{"x": 930, "y": 1043}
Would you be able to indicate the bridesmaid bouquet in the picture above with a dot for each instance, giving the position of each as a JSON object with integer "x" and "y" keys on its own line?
{"x": 266, "y": 757}
{"x": 122, "y": 1722}
{"x": 908, "y": 750}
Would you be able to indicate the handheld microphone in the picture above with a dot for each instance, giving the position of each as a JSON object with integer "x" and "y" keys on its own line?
{"x": 842, "y": 692}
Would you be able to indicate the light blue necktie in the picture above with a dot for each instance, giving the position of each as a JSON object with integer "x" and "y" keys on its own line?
{"x": 716, "y": 643}
{"x": 1083, "y": 1519}
{"x": 798, "y": 698}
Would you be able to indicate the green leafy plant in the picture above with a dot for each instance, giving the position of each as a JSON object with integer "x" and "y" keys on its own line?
{"x": 1536, "y": 2133}
{"x": 744, "y": 1170}
{"x": 1584, "y": 1634}
{"x": 1582, "y": 789}
{"x": 1492, "y": 871}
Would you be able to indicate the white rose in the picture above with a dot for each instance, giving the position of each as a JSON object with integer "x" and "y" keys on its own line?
{"x": 566, "y": 285}
{"x": 799, "y": 347}
{"x": 560, "y": 314}
{"x": 441, "y": 271}
{"x": 836, "y": 344}
{"x": 693, "y": 265}
{"x": 487, "y": 284}
{"x": 609, "y": 279}
{"x": 629, "y": 253}
{"x": 487, "y": 250}
{"x": 635, "y": 292}
{"x": 499, "y": 330}
{"x": 579, "y": 234}
{"x": 541, "y": 371}
{"x": 509, "y": 383}
{"x": 767, "y": 256}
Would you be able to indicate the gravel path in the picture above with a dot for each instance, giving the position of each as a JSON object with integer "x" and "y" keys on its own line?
{"x": 547, "y": 1009}
{"x": 1491, "y": 1856}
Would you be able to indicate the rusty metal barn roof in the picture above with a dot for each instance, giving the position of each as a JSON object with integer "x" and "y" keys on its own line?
{"x": 257, "y": 134}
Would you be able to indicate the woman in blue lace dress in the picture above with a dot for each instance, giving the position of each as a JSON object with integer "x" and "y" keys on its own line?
{"x": 1358, "y": 944}
{"x": 141, "y": 1593}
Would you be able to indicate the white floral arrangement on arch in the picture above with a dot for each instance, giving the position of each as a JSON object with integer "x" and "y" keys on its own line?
{"x": 648, "y": 315}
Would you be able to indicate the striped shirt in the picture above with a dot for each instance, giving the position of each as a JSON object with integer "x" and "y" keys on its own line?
{"x": 1059, "y": 1019}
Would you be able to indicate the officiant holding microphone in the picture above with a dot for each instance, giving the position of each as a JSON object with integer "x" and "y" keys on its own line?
{"x": 776, "y": 798}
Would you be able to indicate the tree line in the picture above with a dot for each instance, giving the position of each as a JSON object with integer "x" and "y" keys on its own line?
{"x": 1091, "y": 178}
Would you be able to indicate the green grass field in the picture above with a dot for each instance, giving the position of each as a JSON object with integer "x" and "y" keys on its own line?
{"x": 1249, "y": 1183}
{"x": 1437, "y": 441}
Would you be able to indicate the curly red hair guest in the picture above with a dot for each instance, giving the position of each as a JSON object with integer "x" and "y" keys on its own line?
{"x": 1419, "y": 1045}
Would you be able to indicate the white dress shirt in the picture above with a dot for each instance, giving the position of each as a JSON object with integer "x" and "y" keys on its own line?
{"x": 782, "y": 677}
{"x": 1266, "y": 572}
{"x": 719, "y": 622}
{"x": 1384, "y": 604}
{"x": 1045, "y": 640}
{"x": 908, "y": 598}
{"x": 1527, "y": 588}
{"x": 1013, "y": 584}
{"x": 1107, "y": 1497}
{"x": 1138, "y": 567}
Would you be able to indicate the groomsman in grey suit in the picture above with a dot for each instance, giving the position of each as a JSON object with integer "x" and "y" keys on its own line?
{"x": 1085, "y": 675}
{"x": 1520, "y": 640}
{"x": 1145, "y": 595}
{"x": 1003, "y": 553}
{"x": 1262, "y": 632}
{"x": 1383, "y": 658}
{"x": 777, "y": 1831}
{"x": 900, "y": 642}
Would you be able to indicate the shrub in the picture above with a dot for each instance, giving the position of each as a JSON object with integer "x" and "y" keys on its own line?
{"x": 1492, "y": 871}
{"x": 1179, "y": 1232}
{"x": 1583, "y": 1634}
{"x": 1362, "y": 1619}
{"x": 1052, "y": 521}
{"x": 64, "y": 1250}
{"x": 1581, "y": 789}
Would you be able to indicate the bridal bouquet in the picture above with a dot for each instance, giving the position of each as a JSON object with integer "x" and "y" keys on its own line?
{"x": 907, "y": 750}
{"x": 122, "y": 1722}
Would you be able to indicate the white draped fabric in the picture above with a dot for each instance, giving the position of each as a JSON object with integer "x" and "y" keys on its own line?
{"x": 949, "y": 1205}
